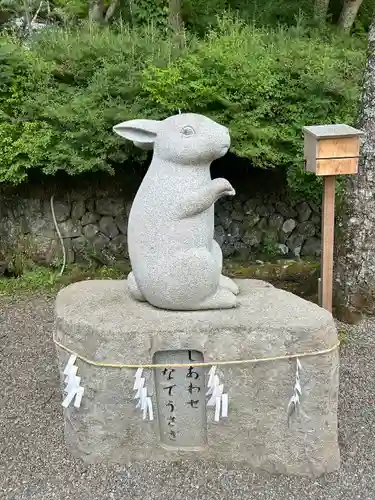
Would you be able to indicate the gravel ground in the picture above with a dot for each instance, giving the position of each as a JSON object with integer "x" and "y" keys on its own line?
{"x": 34, "y": 464}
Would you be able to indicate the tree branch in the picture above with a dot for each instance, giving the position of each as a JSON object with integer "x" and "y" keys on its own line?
{"x": 321, "y": 10}
{"x": 37, "y": 12}
{"x": 348, "y": 14}
{"x": 96, "y": 13}
{"x": 111, "y": 10}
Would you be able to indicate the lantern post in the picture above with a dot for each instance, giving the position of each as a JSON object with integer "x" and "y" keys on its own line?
{"x": 330, "y": 150}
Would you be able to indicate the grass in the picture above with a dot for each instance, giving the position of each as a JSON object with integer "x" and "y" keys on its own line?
{"x": 298, "y": 277}
{"x": 342, "y": 335}
{"x": 47, "y": 280}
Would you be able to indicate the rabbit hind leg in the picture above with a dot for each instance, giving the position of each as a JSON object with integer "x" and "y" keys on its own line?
{"x": 183, "y": 280}
{"x": 225, "y": 282}
{"x": 133, "y": 288}
{"x": 221, "y": 299}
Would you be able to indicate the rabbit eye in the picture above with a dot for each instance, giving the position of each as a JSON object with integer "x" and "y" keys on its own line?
{"x": 187, "y": 131}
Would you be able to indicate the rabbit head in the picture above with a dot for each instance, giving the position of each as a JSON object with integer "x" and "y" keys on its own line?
{"x": 185, "y": 139}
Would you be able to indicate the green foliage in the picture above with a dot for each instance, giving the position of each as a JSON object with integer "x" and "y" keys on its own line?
{"x": 146, "y": 12}
{"x": 299, "y": 277}
{"x": 70, "y": 11}
{"x": 34, "y": 280}
{"x": 24, "y": 142}
{"x": 19, "y": 258}
{"x": 271, "y": 12}
{"x": 60, "y": 98}
{"x": 265, "y": 85}
{"x": 45, "y": 279}
{"x": 199, "y": 16}
{"x": 270, "y": 248}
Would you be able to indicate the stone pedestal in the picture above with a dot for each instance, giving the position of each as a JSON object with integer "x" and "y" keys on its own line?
{"x": 99, "y": 320}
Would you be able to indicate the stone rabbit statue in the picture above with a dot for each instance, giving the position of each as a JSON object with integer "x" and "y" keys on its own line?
{"x": 176, "y": 263}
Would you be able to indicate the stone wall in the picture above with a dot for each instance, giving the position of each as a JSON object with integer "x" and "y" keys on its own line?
{"x": 94, "y": 226}
{"x": 251, "y": 227}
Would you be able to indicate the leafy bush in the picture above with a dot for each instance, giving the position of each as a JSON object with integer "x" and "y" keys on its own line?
{"x": 265, "y": 85}
{"x": 22, "y": 75}
{"x": 60, "y": 97}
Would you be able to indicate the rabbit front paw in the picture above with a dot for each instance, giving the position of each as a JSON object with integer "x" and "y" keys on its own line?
{"x": 222, "y": 187}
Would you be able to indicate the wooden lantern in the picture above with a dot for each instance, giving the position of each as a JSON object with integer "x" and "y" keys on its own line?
{"x": 331, "y": 149}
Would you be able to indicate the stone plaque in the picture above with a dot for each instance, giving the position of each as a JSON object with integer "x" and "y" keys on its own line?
{"x": 181, "y": 404}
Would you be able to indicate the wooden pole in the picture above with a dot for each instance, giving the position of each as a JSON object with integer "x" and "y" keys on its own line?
{"x": 328, "y": 228}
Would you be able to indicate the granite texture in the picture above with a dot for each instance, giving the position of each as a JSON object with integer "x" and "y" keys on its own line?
{"x": 99, "y": 320}
{"x": 176, "y": 262}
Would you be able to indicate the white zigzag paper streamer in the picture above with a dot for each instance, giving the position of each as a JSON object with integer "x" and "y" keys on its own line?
{"x": 294, "y": 402}
{"x": 144, "y": 402}
{"x": 73, "y": 387}
{"x": 217, "y": 398}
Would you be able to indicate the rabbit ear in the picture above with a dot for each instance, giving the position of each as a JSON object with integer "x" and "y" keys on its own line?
{"x": 139, "y": 131}
{"x": 147, "y": 146}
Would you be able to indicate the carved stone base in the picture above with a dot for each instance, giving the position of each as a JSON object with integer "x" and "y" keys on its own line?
{"x": 99, "y": 320}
